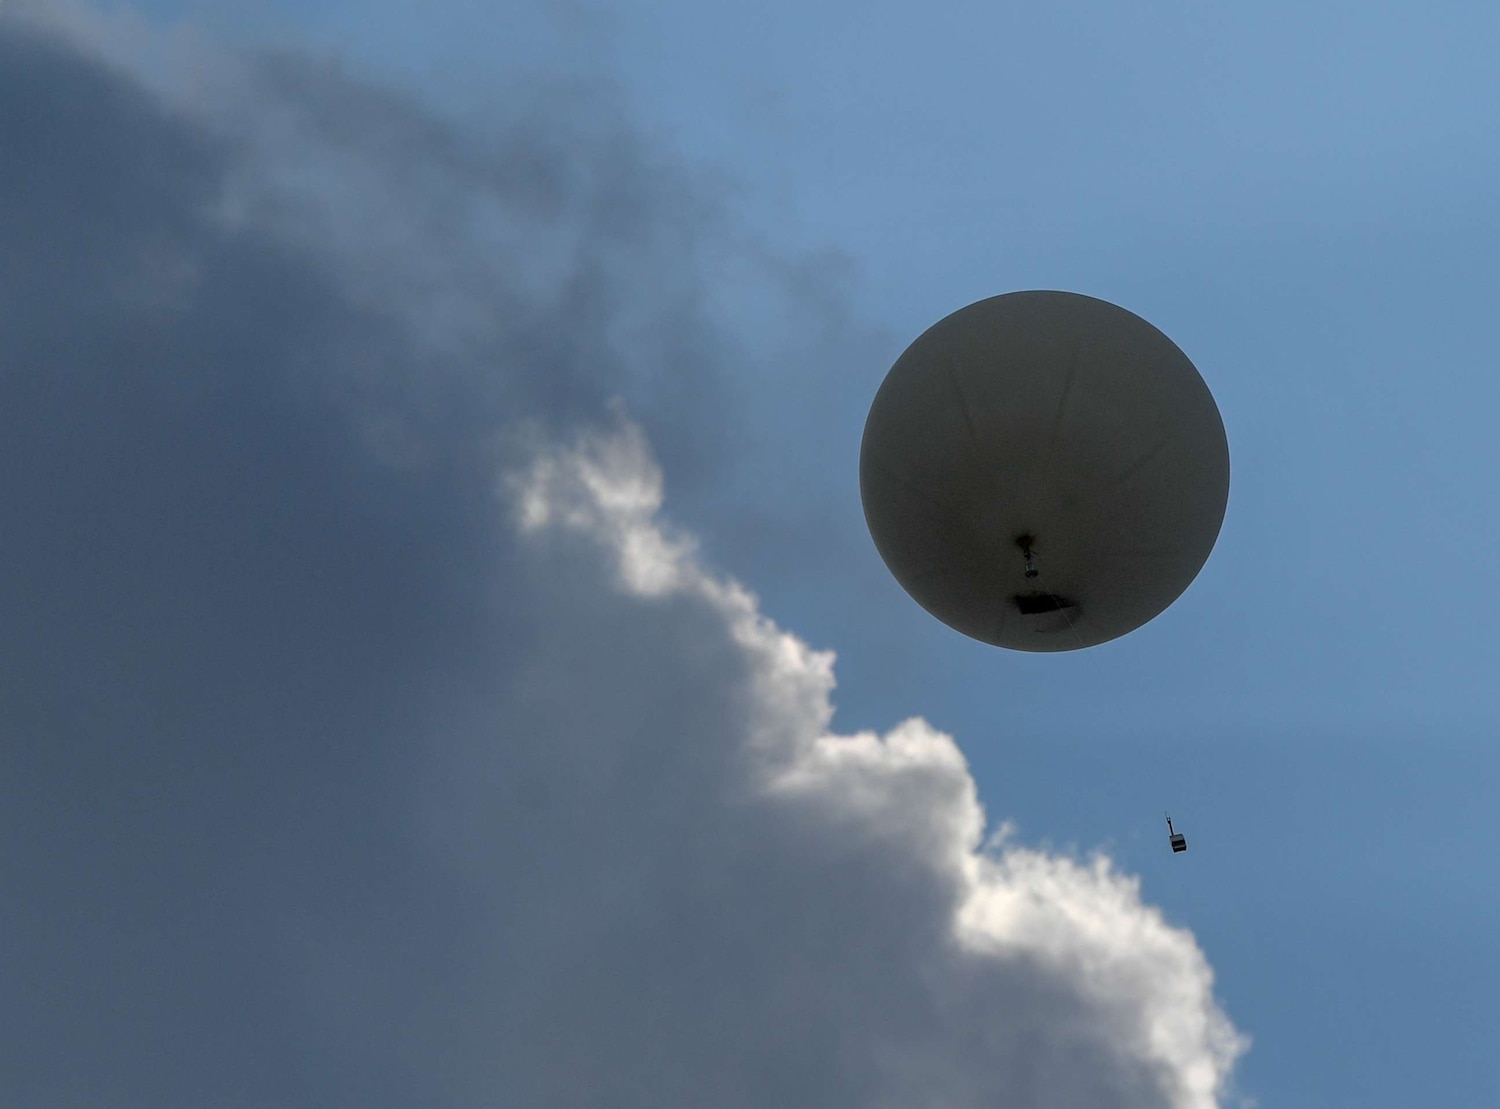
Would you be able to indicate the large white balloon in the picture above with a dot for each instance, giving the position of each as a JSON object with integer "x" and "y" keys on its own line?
{"x": 1047, "y": 432}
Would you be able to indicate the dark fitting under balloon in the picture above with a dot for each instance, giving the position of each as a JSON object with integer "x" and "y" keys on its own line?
{"x": 1044, "y": 471}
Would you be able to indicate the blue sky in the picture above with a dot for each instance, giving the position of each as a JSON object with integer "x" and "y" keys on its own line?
{"x": 1302, "y": 199}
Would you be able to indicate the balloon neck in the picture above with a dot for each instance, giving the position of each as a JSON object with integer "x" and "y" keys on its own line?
{"x": 1025, "y": 542}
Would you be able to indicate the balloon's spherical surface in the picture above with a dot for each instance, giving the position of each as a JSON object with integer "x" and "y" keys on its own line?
{"x": 1044, "y": 471}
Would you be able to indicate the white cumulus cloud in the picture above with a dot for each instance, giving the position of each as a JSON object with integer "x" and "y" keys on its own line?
{"x": 1040, "y": 980}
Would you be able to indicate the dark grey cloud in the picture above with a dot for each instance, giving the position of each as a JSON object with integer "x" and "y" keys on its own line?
{"x": 215, "y": 603}
{"x": 339, "y": 770}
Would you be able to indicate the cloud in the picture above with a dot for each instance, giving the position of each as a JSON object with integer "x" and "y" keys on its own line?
{"x": 945, "y": 975}
{"x": 342, "y": 776}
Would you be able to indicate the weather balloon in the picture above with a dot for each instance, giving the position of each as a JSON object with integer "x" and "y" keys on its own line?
{"x": 1044, "y": 471}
